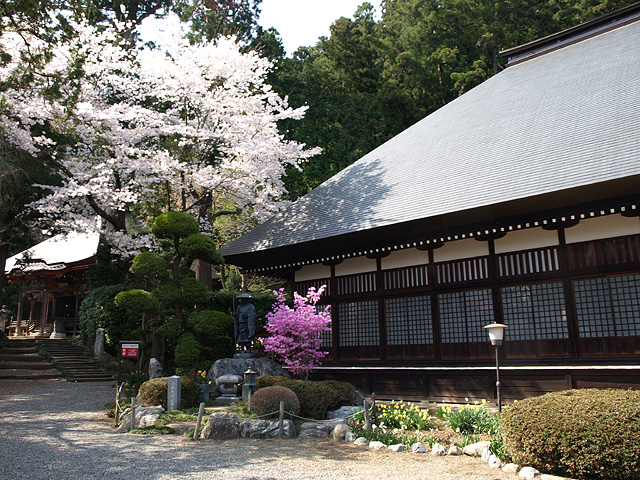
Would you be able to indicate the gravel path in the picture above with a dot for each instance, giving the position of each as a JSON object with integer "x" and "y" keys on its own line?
{"x": 52, "y": 429}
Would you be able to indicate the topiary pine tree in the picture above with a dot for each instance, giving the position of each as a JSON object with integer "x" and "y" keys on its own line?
{"x": 169, "y": 298}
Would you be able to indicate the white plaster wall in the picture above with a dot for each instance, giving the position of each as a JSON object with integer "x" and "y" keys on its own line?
{"x": 526, "y": 240}
{"x": 405, "y": 258}
{"x": 461, "y": 249}
{"x": 311, "y": 272}
{"x": 356, "y": 265}
{"x": 602, "y": 227}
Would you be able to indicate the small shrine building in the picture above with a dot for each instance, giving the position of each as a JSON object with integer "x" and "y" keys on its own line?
{"x": 51, "y": 278}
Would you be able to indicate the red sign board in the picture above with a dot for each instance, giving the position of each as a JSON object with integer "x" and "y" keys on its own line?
{"x": 129, "y": 350}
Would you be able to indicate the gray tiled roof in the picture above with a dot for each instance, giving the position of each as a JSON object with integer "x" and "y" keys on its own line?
{"x": 566, "y": 119}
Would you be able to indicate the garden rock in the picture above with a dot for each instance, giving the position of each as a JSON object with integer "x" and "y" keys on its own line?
{"x": 319, "y": 429}
{"x": 343, "y": 412}
{"x": 397, "y": 448}
{"x": 511, "y": 468}
{"x": 266, "y": 429}
{"x": 438, "y": 449}
{"x": 528, "y": 473}
{"x": 180, "y": 428}
{"x": 350, "y": 437}
{"x": 475, "y": 449}
{"x": 361, "y": 441}
{"x": 454, "y": 450}
{"x": 145, "y": 417}
{"x": 494, "y": 462}
{"x": 221, "y": 426}
{"x": 339, "y": 432}
{"x": 375, "y": 445}
{"x": 155, "y": 369}
{"x": 486, "y": 453}
{"x": 418, "y": 447}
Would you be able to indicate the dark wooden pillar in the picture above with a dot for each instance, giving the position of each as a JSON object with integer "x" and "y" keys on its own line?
{"x": 19, "y": 313}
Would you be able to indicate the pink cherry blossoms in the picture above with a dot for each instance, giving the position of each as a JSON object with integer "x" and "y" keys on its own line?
{"x": 296, "y": 332}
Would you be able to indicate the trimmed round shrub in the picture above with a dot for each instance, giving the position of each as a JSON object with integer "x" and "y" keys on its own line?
{"x": 210, "y": 322}
{"x": 173, "y": 225}
{"x": 150, "y": 265}
{"x": 137, "y": 301}
{"x": 187, "y": 351}
{"x": 154, "y": 392}
{"x": 193, "y": 291}
{"x": 316, "y": 398}
{"x": 201, "y": 246}
{"x": 583, "y": 434}
{"x": 267, "y": 400}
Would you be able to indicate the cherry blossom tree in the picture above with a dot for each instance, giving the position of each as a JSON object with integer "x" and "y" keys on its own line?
{"x": 296, "y": 331}
{"x": 137, "y": 130}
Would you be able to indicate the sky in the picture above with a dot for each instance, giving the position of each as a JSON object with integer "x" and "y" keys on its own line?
{"x": 301, "y": 22}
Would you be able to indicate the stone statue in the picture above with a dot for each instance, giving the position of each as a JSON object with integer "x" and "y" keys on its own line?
{"x": 244, "y": 324}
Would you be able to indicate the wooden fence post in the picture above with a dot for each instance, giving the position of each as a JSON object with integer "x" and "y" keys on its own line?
{"x": 199, "y": 421}
{"x": 281, "y": 419}
{"x": 367, "y": 420}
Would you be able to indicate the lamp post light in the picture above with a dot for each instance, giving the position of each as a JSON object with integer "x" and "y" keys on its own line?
{"x": 496, "y": 335}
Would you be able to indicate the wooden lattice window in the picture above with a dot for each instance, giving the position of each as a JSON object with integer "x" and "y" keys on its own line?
{"x": 409, "y": 320}
{"x": 608, "y": 306}
{"x": 327, "y": 335}
{"x": 359, "y": 324}
{"x": 463, "y": 315}
{"x": 534, "y": 312}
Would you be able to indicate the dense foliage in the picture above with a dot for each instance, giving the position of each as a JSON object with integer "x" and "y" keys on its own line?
{"x": 582, "y": 434}
{"x": 98, "y": 310}
{"x": 154, "y": 392}
{"x": 169, "y": 300}
{"x": 316, "y": 398}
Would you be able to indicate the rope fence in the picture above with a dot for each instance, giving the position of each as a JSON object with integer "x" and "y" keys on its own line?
{"x": 281, "y": 413}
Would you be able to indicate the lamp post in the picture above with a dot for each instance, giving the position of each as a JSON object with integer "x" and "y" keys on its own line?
{"x": 496, "y": 334}
{"x": 249, "y": 386}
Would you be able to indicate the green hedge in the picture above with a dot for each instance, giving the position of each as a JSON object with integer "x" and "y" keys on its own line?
{"x": 316, "y": 398}
{"x": 154, "y": 392}
{"x": 583, "y": 434}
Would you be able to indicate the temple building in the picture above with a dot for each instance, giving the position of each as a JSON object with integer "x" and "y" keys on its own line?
{"x": 516, "y": 203}
{"x": 51, "y": 279}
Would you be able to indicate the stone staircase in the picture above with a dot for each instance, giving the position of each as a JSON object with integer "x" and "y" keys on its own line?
{"x": 72, "y": 359}
{"x": 19, "y": 360}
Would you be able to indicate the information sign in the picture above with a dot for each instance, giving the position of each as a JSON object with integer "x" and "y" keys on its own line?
{"x": 129, "y": 350}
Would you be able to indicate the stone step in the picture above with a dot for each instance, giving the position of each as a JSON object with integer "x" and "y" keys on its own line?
{"x": 27, "y": 357}
{"x": 19, "y": 349}
{"x": 23, "y": 374}
{"x": 78, "y": 366}
{"x": 25, "y": 366}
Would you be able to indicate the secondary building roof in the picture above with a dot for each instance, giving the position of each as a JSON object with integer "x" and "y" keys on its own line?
{"x": 550, "y": 130}
{"x": 55, "y": 254}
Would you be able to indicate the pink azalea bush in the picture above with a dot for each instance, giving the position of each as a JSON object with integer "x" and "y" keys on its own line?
{"x": 295, "y": 332}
